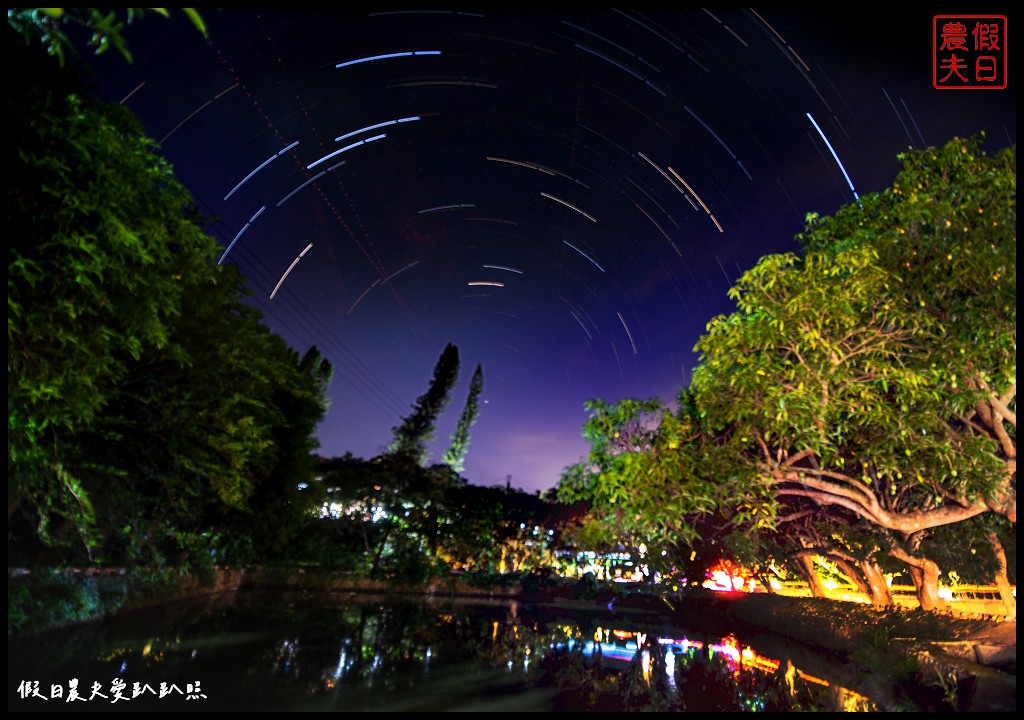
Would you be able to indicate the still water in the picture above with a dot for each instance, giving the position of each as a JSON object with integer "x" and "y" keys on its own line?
{"x": 284, "y": 651}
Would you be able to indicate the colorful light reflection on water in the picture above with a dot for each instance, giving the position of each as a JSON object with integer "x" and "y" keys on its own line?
{"x": 337, "y": 651}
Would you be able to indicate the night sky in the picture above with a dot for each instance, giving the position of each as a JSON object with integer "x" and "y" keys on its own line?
{"x": 566, "y": 195}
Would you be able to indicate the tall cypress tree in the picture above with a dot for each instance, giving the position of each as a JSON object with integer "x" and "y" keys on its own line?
{"x": 417, "y": 429}
{"x": 455, "y": 456}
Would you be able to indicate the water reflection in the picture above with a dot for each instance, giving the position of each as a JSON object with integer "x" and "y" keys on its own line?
{"x": 261, "y": 651}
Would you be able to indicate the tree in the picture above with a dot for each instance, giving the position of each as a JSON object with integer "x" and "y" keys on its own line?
{"x": 495, "y": 528}
{"x": 876, "y": 373}
{"x": 872, "y": 375}
{"x": 417, "y": 429}
{"x": 280, "y": 504}
{"x": 398, "y": 510}
{"x": 455, "y": 456}
{"x": 103, "y": 251}
{"x": 651, "y": 471}
{"x": 864, "y": 385}
{"x": 981, "y": 551}
{"x": 946, "y": 235}
{"x": 146, "y": 402}
{"x": 854, "y": 547}
{"x": 476, "y": 516}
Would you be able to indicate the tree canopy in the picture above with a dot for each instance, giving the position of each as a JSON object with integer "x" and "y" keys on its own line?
{"x": 875, "y": 372}
{"x": 147, "y": 404}
{"x": 871, "y": 376}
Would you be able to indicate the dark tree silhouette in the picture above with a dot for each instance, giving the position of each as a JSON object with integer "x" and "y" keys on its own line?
{"x": 417, "y": 429}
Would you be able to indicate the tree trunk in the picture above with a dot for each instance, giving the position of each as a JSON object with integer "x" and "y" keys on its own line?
{"x": 928, "y": 592}
{"x": 765, "y": 578}
{"x": 925, "y": 575}
{"x": 917, "y": 578}
{"x": 1001, "y": 579}
{"x": 853, "y": 575}
{"x": 806, "y": 564}
{"x": 878, "y": 589}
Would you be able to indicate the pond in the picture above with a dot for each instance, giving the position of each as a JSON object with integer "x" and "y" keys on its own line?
{"x": 254, "y": 650}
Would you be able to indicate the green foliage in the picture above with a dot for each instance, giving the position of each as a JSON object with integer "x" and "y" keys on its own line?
{"x": 393, "y": 518}
{"x": 48, "y": 598}
{"x": 147, "y": 404}
{"x": 865, "y": 386}
{"x": 587, "y": 587}
{"x": 966, "y": 549}
{"x": 282, "y": 505}
{"x": 49, "y": 27}
{"x": 455, "y": 456}
{"x": 649, "y": 473}
{"x": 94, "y": 281}
{"x": 862, "y": 373}
{"x": 393, "y": 510}
{"x": 499, "y": 529}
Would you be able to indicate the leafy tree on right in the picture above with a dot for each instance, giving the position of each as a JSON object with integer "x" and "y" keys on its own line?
{"x": 878, "y": 371}
{"x": 875, "y": 375}
{"x": 872, "y": 376}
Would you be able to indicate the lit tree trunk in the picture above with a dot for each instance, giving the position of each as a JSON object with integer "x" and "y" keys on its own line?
{"x": 925, "y": 575}
{"x": 765, "y": 578}
{"x": 853, "y": 575}
{"x": 878, "y": 589}
{"x": 806, "y": 564}
{"x": 1001, "y": 580}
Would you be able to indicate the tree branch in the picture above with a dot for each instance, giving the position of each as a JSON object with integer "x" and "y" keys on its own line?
{"x": 981, "y": 430}
{"x": 764, "y": 446}
{"x": 843, "y": 485}
{"x": 827, "y": 498}
{"x": 796, "y": 516}
{"x": 1009, "y": 447}
{"x": 898, "y": 522}
{"x": 795, "y": 459}
{"x": 999, "y": 403}
{"x": 837, "y": 483}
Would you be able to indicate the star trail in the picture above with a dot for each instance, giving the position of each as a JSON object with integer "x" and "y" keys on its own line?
{"x": 565, "y": 195}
